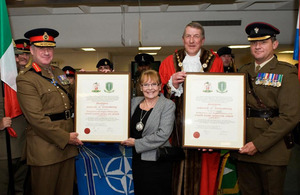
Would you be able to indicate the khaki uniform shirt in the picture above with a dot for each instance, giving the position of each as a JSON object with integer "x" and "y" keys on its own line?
{"x": 268, "y": 139}
{"x": 47, "y": 141}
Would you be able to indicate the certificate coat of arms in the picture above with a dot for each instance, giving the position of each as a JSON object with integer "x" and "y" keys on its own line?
{"x": 109, "y": 87}
{"x": 222, "y": 87}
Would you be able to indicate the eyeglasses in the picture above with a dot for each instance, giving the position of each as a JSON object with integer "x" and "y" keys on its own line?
{"x": 147, "y": 85}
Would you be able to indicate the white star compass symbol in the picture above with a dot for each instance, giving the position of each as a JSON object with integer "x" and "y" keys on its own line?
{"x": 121, "y": 172}
{"x": 117, "y": 172}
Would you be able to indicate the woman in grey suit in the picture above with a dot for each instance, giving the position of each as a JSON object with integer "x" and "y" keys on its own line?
{"x": 152, "y": 119}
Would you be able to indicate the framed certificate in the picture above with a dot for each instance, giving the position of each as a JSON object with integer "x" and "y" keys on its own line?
{"x": 214, "y": 110}
{"x": 102, "y": 106}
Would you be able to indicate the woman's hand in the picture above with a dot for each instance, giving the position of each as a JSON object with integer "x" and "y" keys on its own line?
{"x": 129, "y": 142}
{"x": 205, "y": 150}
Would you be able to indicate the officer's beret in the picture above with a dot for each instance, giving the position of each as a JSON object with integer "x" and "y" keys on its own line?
{"x": 69, "y": 71}
{"x": 258, "y": 31}
{"x": 143, "y": 59}
{"x": 224, "y": 51}
{"x": 42, "y": 37}
{"x": 23, "y": 45}
{"x": 105, "y": 62}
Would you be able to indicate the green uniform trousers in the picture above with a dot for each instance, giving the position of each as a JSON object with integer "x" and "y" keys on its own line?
{"x": 56, "y": 179}
{"x": 259, "y": 179}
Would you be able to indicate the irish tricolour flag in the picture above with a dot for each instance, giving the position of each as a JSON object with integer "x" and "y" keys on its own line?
{"x": 8, "y": 67}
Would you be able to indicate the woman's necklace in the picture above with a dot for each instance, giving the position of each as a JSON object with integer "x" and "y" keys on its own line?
{"x": 140, "y": 125}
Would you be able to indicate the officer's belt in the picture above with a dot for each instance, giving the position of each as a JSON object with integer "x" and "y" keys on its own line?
{"x": 67, "y": 114}
{"x": 267, "y": 113}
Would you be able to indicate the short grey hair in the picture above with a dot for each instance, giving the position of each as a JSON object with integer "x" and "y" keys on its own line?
{"x": 196, "y": 25}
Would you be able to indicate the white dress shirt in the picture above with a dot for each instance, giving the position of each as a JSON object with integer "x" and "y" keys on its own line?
{"x": 190, "y": 64}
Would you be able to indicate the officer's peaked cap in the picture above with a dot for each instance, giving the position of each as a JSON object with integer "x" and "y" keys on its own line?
{"x": 258, "y": 31}
{"x": 42, "y": 37}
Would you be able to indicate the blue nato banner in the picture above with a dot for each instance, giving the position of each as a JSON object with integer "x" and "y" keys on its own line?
{"x": 104, "y": 169}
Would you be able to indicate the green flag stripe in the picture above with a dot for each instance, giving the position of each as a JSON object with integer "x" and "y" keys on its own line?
{"x": 5, "y": 32}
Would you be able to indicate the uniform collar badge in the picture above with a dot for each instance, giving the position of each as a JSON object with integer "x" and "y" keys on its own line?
{"x": 36, "y": 67}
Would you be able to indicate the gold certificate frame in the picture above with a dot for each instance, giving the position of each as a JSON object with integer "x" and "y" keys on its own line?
{"x": 214, "y": 110}
{"x": 102, "y": 106}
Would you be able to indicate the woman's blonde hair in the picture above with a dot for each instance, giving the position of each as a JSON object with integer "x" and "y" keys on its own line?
{"x": 149, "y": 74}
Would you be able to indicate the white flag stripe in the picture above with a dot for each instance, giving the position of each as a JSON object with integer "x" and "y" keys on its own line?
{"x": 9, "y": 71}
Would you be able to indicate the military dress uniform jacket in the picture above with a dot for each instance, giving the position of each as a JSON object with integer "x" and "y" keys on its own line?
{"x": 17, "y": 144}
{"x": 269, "y": 138}
{"x": 47, "y": 141}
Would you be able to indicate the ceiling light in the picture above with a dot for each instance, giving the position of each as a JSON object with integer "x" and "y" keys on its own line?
{"x": 153, "y": 54}
{"x": 149, "y": 48}
{"x": 238, "y": 46}
{"x": 286, "y": 52}
{"x": 88, "y": 49}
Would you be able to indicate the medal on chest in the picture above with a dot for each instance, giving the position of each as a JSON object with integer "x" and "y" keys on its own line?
{"x": 269, "y": 79}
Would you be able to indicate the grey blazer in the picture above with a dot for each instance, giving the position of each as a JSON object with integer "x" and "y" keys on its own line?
{"x": 158, "y": 128}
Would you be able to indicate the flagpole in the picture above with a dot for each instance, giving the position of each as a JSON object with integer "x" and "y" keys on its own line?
{"x": 11, "y": 183}
{"x": 9, "y": 162}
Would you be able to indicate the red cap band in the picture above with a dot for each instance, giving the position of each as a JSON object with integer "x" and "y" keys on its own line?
{"x": 69, "y": 72}
{"x": 21, "y": 46}
{"x": 40, "y": 39}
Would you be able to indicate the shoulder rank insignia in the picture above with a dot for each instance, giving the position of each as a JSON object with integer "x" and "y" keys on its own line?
{"x": 269, "y": 79}
{"x": 36, "y": 67}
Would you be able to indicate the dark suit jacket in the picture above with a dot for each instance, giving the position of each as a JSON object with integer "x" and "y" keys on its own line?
{"x": 158, "y": 128}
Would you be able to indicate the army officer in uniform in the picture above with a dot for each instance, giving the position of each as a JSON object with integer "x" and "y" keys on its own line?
{"x": 23, "y": 54}
{"x": 45, "y": 99}
{"x": 143, "y": 62}
{"x": 104, "y": 65}
{"x": 273, "y": 110}
{"x": 227, "y": 58}
{"x": 70, "y": 73}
